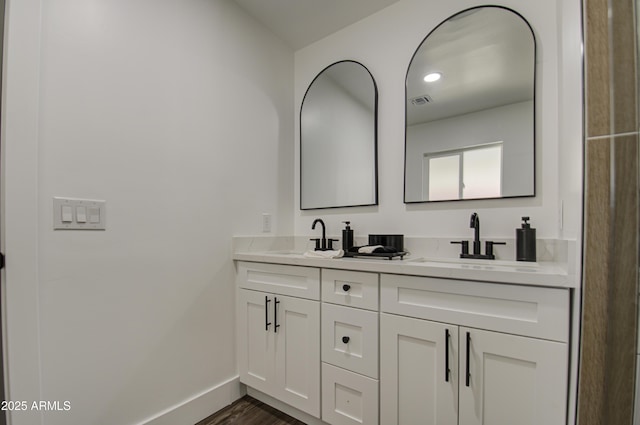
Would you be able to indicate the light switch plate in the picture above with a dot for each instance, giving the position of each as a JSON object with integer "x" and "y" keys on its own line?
{"x": 79, "y": 214}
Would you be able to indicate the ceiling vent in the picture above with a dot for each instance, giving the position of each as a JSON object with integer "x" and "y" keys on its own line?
{"x": 421, "y": 100}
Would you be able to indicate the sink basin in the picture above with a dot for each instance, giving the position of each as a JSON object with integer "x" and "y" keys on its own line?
{"x": 474, "y": 262}
{"x": 286, "y": 252}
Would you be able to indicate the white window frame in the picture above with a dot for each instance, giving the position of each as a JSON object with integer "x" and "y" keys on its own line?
{"x": 427, "y": 157}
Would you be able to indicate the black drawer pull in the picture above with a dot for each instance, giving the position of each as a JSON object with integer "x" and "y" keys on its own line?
{"x": 266, "y": 313}
{"x": 447, "y": 370}
{"x": 275, "y": 315}
{"x": 345, "y": 339}
{"x": 468, "y": 377}
{"x": 346, "y": 287}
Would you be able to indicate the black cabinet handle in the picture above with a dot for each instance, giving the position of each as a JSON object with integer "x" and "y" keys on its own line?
{"x": 345, "y": 339}
{"x": 275, "y": 315}
{"x": 266, "y": 313}
{"x": 468, "y": 377}
{"x": 346, "y": 287}
{"x": 447, "y": 335}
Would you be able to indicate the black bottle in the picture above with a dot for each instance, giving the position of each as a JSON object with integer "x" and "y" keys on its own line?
{"x": 526, "y": 242}
{"x": 347, "y": 237}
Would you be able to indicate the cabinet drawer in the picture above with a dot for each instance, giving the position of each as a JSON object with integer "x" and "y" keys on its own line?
{"x": 348, "y": 398}
{"x": 302, "y": 282}
{"x": 530, "y": 311}
{"x": 350, "y": 338}
{"x": 355, "y": 289}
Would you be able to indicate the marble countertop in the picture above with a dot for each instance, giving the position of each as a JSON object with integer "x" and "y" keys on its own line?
{"x": 548, "y": 274}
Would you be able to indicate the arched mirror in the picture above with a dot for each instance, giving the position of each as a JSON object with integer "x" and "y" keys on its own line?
{"x": 470, "y": 109}
{"x": 338, "y": 139}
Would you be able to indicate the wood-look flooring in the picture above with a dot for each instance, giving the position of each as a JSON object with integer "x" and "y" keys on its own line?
{"x": 249, "y": 411}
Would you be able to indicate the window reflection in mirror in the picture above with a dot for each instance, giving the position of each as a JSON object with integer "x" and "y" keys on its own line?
{"x": 338, "y": 130}
{"x": 471, "y": 173}
{"x": 470, "y": 84}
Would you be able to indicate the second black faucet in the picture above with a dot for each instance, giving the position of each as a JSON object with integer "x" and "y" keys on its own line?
{"x": 477, "y": 251}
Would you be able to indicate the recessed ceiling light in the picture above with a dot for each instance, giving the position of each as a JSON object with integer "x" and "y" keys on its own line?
{"x": 434, "y": 76}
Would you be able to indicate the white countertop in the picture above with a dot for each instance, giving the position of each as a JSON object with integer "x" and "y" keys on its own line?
{"x": 547, "y": 274}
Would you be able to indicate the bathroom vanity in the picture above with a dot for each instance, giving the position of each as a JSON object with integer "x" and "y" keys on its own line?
{"x": 353, "y": 341}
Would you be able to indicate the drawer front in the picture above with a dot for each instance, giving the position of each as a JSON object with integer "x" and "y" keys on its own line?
{"x": 296, "y": 281}
{"x": 348, "y": 398}
{"x": 522, "y": 310}
{"x": 354, "y": 289}
{"x": 350, "y": 339}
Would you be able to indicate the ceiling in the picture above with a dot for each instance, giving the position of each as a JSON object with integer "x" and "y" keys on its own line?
{"x": 302, "y": 22}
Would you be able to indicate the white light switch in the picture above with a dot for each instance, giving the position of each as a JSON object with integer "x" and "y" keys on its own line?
{"x": 67, "y": 214}
{"x": 94, "y": 215}
{"x": 81, "y": 214}
{"x": 78, "y": 214}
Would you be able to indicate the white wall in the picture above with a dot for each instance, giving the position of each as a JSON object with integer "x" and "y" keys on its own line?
{"x": 178, "y": 114}
{"x": 385, "y": 43}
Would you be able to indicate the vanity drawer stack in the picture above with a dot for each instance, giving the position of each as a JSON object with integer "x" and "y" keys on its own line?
{"x": 350, "y": 366}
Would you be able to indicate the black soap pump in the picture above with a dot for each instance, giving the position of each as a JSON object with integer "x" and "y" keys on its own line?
{"x": 347, "y": 237}
{"x": 526, "y": 242}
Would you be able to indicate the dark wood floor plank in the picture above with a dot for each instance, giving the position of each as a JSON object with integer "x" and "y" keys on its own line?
{"x": 249, "y": 411}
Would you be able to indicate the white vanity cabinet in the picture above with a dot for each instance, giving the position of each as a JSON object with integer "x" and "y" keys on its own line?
{"x": 350, "y": 347}
{"x": 472, "y": 353}
{"x": 279, "y": 334}
{"x": 368, "y": 346}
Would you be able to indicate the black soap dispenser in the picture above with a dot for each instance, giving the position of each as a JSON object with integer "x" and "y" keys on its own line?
{"x": 347, "y": 237}
{"x": 526, "y": 242}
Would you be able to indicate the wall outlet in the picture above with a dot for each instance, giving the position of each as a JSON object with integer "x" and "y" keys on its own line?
{"x": 266, "y": 223}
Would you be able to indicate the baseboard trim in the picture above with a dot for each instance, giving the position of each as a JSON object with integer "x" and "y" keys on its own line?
{"x": 200, "y": 406}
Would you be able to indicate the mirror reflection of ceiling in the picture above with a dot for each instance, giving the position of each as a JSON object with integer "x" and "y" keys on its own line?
{"x": 350, "y": 80}
{"x": 302, "y": 22}
{"x": 469, "y": 51}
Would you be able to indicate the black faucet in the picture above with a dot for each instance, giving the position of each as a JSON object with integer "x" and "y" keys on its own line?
{"x": 477, "y": 251}
{"x": 324, "y": 235}
{"x": 323, "y": 244}
{"x": 475, "y": 225}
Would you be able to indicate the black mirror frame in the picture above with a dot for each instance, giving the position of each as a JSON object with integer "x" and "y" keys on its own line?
{"x": 375, "y": 138}
{"x": 535, "y": 82}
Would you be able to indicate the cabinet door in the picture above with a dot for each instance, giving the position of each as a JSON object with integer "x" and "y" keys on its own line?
{"x": 511, "y": 379}
{"x": 297, "y": 337}
{"x": 414, "y": 386}
{"x": 256, "y": 348}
